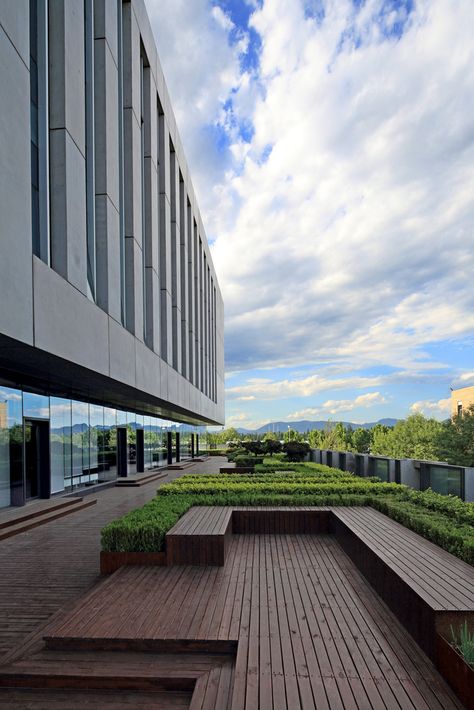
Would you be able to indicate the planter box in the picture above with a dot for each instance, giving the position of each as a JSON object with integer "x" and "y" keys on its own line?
{"x": 455, "y": 671}
{"x": 236, "y": 469}
{"x": 111, "y": 561}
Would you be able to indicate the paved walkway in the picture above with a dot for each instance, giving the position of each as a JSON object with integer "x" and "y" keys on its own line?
{"x": 43, "y": 569}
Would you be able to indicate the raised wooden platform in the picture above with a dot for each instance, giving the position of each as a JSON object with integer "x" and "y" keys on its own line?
{"x": 308, "y": 630}
{"x": 14, "y": 521}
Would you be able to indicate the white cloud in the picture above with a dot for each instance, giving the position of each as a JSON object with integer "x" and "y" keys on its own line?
{"x": 350, "y": 242}
{"x": 466, "y": 379}
{"x": 243, "y": 420}
{"x": 440, "y": 409}
{"x": 315, "y": 384}
{"x": 336, "y": 406}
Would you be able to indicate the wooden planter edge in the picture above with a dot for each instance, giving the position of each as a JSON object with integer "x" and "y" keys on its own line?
{"x": 455, "y": 671}
{"x": 112, "y": 561}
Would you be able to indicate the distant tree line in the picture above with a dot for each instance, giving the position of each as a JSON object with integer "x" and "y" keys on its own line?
{"x": 416, "y": 437}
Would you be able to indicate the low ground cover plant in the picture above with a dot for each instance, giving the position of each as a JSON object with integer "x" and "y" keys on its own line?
{"x": 464, "y": 643}
{"x": 445, "y": 520}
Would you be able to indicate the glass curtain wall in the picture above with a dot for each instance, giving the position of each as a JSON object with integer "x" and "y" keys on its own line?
{"x": 83, "y": 441}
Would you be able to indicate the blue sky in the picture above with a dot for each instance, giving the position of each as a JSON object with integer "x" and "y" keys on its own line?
{"x": 331, "y": 144}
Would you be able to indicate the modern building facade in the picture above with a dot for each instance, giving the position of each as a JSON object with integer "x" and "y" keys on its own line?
{"x": 111, "y": 317}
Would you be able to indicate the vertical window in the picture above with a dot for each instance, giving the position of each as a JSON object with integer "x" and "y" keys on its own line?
{"x": 190, "y": 294}
{"x": 142, "y": 174}
{"x": 174, "y": 197}
{"x": 90, "y": 161}
{"x": 39, "y": 128}
{"x": 120, "y": 160}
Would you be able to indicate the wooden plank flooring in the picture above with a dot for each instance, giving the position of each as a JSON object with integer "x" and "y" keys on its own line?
{"x": 308, "y": 629}
{"x": 46, "y": 568}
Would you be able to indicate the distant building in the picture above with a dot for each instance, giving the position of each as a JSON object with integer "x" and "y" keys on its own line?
{"x": 461, "y": 400}
{"x": 111, "y": 316}
{"x": 3, "y": 415}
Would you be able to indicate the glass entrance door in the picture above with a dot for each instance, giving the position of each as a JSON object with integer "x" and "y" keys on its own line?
{"x": 37, "y": 460}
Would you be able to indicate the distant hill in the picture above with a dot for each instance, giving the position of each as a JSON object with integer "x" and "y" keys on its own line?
{"x": 307, "y": 425}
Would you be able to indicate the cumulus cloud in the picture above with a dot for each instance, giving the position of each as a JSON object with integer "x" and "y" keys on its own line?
{"x": 466, "y": 379}
{"x": 343, "y": 221}
{"x": 336, "y": 406}
{"x": 243, "y": 420}
{"x": 440, "y": 409}
{"x": 314, "y": 384}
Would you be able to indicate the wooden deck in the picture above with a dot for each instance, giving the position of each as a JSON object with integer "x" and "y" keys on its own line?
{"x": 277, "y": 613}
{"x": 304, "y": 626}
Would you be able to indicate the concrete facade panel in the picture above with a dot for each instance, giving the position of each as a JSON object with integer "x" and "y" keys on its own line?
{"x": 12, "y": 20}
{"x": 67, "y": 323}
{"x": 16, "y": 312}
{"x": 68, "y": 209}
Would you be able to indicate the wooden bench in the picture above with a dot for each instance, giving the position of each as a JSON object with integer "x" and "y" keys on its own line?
{"x": 426, "y": 587}
{"x": 200, "y": 537}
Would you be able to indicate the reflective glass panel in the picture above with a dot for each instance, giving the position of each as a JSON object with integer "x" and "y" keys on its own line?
{"x": 184, "y": 442}
{"x": 131, "y": 442}
{"x": 108, "y": 445}
{"x": 80, "y": 443}
{"x": 381, "y": 469}
{"x": 11, "y": 446}
{"x": 446, "y": 480}
{"x": 35, "y": 405}
{"x": 96, "y": 427}
{"x": 60, "y": 436}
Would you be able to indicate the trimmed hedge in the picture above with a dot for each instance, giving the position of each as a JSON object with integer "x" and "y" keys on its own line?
{"x": 144, "y": 529}
{"x": 445, "y": 520}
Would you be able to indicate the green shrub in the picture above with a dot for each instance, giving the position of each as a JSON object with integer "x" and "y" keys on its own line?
{"x": 232, "y": 453}
{"x": 457, "y": 538}
{"x": 465, "y": 643}
{"x": 247, "y": 460}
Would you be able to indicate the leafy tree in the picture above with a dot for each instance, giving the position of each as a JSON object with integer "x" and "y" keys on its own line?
{"x": 291, "y": 435}
{"x": 380, "y": 439}
{"x": 270, "y": 436}
{"x": 254, "y": 447}
{"x": 415, "y": 437}
{"x": 272, "y": 446}
{"x": 315, "y": 438}
{"x": 455, "y": 440}
{"x": 360, "y": 441}
{"x": 296, "y": 450}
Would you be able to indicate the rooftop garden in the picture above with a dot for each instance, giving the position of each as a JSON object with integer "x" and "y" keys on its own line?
{"x": 445, "y": 520}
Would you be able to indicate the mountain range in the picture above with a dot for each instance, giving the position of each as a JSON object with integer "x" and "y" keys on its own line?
{"x": 307, "y": 425}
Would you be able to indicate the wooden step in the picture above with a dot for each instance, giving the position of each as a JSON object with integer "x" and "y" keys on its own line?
{"x": 139, "y": 479}
{"x": 52, "y": 699}
{"x": 12, "y": 516}
{"x": 155, "y": 645}
{"x": 46, "y": 517}
{"x": 181, "y": 465}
